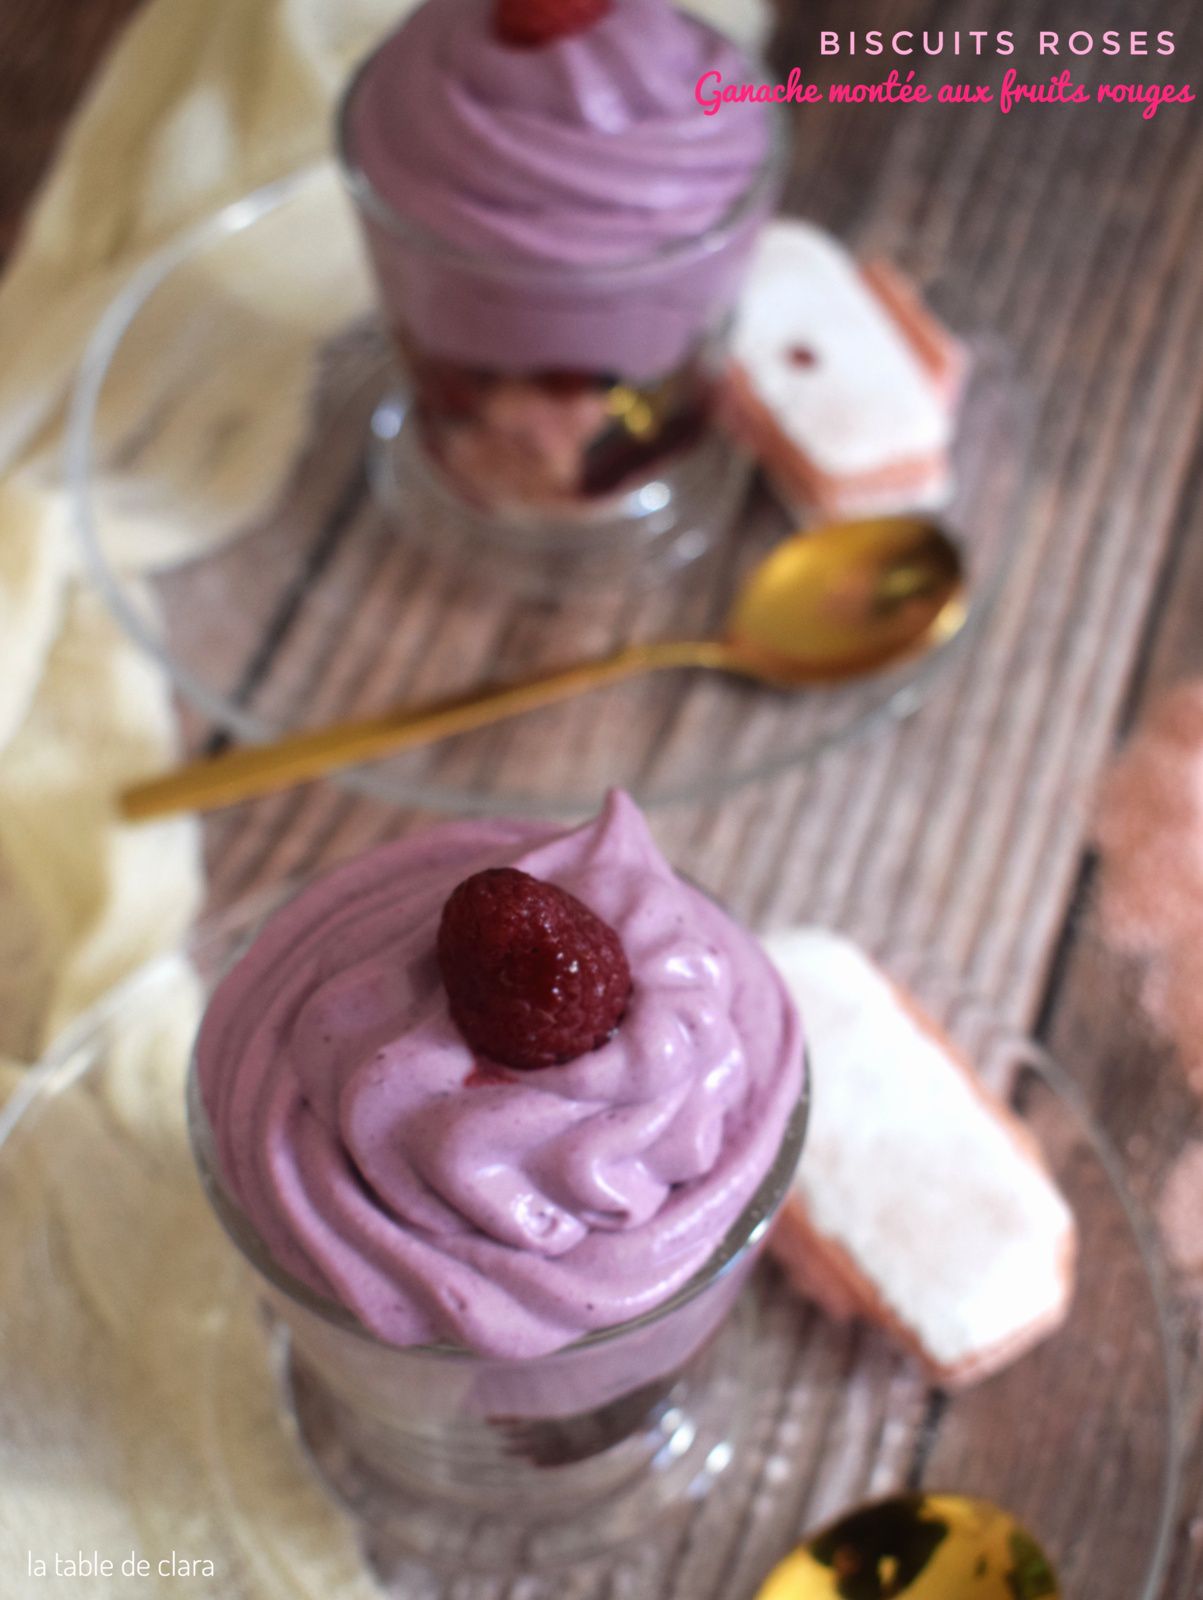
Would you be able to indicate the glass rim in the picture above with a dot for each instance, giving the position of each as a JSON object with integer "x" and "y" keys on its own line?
{"x": 746, "y": 1231}
{"x": 761, "y": 188}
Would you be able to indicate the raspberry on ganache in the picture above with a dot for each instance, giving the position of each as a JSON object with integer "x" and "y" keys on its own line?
{"x": 535, "y": 22}
{"x": 533, "y": 977}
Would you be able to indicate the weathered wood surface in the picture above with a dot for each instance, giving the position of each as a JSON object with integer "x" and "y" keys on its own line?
{"x": 47, "y": 54}
{"x": 1078, "y": 235}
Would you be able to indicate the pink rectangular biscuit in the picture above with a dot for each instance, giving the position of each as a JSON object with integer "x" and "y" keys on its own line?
{"x": 921, "y": 1203}
{"x": 943, "y": 358}
{"x": 842, "y": 383}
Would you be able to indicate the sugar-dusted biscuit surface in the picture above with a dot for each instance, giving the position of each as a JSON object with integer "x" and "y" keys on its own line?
{"x": 920, "y": 1200}
{"x": 842, "y": 381}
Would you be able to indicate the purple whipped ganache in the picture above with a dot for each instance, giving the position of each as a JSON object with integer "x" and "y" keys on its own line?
{"x": 442, "y": 1200}
{"x": 565, "y": 207}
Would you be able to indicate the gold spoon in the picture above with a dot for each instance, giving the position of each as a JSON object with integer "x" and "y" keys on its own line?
{"x": 824, "y": 606}
{"x": 917, "y": 1547}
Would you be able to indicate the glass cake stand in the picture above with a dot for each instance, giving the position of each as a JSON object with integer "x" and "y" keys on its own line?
{"x": 233, "y": 459}
{"x": 145, "y": 1401}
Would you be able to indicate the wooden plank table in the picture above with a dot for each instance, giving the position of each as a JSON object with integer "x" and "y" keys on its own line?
{"x": 965, "y": 832}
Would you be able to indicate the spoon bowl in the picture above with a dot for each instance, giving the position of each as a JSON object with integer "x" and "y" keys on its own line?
{"x": 917, "y": 1547}
{"x": 851, "y": 599}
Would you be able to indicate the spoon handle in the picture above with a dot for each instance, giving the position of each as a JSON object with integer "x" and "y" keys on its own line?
{"x": 242, "y": 774}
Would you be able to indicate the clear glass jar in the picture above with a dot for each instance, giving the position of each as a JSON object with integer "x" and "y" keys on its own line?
{"x": 566, "y": 1454}
{"x": 557, "y": 466}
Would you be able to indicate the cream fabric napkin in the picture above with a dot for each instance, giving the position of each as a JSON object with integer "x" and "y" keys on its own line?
{"x": 200, "y": 102}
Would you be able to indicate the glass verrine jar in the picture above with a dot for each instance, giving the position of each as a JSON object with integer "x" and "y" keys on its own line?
{"x": 475, "y": 1461}
{"x": 558, "y": 418}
